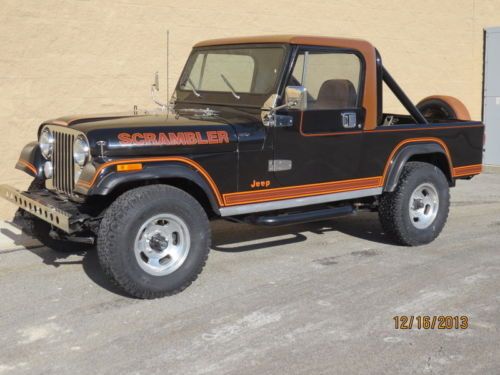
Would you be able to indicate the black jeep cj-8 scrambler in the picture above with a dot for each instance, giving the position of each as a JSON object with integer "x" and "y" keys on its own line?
{"x": 268, "y": 130}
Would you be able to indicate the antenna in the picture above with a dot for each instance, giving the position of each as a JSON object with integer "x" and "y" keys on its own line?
{"x": 168, "y": 53}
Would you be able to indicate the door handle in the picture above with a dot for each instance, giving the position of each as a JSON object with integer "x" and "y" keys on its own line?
{"x": 349, "y": 120}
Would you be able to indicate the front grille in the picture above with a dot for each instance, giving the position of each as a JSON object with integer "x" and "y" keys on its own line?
{"x": 62, "y": 158}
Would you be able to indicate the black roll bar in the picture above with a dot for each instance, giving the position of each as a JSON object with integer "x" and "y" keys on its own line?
{"x": 396, "y": 90}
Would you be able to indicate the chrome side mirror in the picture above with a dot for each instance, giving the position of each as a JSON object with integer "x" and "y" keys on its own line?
{"x": 296, "y": 97}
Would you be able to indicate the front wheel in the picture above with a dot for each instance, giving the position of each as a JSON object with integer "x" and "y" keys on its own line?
{"x": 416, "y": 211}
{"x": 153, "y": 241}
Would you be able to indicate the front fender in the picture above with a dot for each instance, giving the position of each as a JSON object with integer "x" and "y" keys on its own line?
{"x": 111, "y": 179}
{"x": 31, "y": 160}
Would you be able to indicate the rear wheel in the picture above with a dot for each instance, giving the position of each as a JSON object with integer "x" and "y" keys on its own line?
{"x": 416, "y": 211}
{"x": 153, "y": 241}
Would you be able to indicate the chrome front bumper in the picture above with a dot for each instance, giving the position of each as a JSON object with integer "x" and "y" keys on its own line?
{"x": 36, "y": 205}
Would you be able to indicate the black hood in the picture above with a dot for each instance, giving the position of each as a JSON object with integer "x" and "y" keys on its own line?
{"x": 157, "y": 133}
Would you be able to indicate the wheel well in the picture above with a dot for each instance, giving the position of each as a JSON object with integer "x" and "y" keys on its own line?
{"x": 181, "y": 183}
{"x": 438, "y": 159}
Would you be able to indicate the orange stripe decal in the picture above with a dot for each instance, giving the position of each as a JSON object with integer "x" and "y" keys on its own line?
{"x": 411, "y": 140}
{"x": 180, "y": 159}
{"x": 248, "y": 197}
{"x": 28, "y": 165}
{"x": 424, "y": 128}
{"x": 467, "y": 170}
{"x": 325, "y": 134}
{"x": 383, "y": 130}
{"x": 59, "y": 122}
{"x": 298, "y": 191}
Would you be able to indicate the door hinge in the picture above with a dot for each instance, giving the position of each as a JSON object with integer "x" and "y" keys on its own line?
{"x": 278, "y": 121}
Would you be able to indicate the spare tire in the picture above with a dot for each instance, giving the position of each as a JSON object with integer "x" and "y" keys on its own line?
{"x": 442, "y": 107}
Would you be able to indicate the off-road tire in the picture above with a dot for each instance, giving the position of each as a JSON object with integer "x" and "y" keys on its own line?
{"x": 39, "y": 229}
{"x": 394, "y": 206}
{"x": 121, "y": 224}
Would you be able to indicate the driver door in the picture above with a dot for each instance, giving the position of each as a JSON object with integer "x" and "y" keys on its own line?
{"x": 323, "y": 143}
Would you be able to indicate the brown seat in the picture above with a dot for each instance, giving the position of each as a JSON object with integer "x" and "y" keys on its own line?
{"x": 336, "y": 94}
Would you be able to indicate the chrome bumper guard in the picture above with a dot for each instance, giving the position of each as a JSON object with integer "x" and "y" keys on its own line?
{"x": 37, "y": 207}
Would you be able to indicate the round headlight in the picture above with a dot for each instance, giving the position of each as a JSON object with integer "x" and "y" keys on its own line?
{"x": 46, "y": 143}
{"x": 81, "y": 151}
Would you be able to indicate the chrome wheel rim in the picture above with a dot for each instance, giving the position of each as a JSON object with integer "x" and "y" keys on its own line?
{"x": 162, "y": 244}
{"x": 424, "y": 206}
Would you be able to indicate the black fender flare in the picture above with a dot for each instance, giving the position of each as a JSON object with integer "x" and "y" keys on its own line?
{"x": 155, "y": 171}
{"x": 404, "y": 154}
{"x": 31, "y": 160}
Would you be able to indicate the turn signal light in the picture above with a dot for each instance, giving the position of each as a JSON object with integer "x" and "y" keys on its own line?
{"x": 129, "y": 167}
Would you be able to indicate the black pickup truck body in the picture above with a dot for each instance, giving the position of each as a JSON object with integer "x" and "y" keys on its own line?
{"x": 221, "y": 147}
{"x": 228, "y": 170}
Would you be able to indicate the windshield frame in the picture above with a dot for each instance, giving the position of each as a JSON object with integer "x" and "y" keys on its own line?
{"x": 226, "y": 98}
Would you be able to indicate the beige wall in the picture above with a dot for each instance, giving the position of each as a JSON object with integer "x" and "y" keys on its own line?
{"x": 64, "y": 57}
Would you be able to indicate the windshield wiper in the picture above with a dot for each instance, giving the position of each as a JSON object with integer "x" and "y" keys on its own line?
{"x": 193, "y": 88}
{"x": 230, "y": 86}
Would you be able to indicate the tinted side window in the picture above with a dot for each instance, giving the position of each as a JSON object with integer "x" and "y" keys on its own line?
{"x": 332, "y": 79}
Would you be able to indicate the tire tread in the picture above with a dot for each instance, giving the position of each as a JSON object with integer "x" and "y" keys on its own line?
{"x": 111, "y": 228}
{"x": 390, "y": 214}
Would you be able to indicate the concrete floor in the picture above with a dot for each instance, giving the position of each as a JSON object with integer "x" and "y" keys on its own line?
{"x": 308, "y": 299}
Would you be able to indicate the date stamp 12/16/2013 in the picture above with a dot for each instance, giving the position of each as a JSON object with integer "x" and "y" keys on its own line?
{"x": 431, "y": 322}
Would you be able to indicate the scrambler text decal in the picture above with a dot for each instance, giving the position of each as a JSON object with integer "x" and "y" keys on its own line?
{"x": 175, "y": 138}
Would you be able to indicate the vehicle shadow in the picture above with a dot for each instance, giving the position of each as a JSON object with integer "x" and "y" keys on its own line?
{"x": 227, "y": 237}
{"x": 233, "y": 237}
{"x": 87, "y": 258}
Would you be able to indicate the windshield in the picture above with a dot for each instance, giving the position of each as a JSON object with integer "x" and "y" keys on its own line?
{"x": 231, "y": 75}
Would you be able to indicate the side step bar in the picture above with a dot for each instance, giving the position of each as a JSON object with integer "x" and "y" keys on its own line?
{"x": 299, "y": 217}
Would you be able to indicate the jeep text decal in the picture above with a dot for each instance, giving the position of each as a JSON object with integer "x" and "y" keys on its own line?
{"x": 175, "y": 138}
